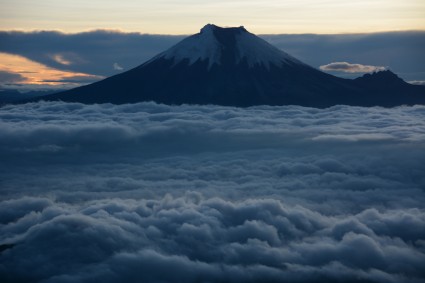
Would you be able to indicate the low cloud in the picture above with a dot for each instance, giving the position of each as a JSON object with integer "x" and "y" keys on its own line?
{"x": 351, "y": 68}
{"x": 209, "y": 193}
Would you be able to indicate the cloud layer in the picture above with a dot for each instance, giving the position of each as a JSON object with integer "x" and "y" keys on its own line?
{"x": 197, "y": 239}
{"x": 122, "y": 193}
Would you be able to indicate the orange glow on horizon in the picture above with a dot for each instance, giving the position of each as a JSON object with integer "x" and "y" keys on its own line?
{"x": 36, "y": 73}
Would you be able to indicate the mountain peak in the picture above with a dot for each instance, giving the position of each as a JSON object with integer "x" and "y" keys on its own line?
{"x": 213, "y": 28}
{"x": 380, "y": 76}
{"x": 208, "y": 28}
{"x": 226, "y": 46}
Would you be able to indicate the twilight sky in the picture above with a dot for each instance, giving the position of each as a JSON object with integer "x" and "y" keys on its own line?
{"x": 96, "y": 39}
{"x": 186, "y": 16}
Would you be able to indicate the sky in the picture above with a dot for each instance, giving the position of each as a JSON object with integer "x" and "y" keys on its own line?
{"x": 185, "y": 17}
{"x": 67, "y": 65}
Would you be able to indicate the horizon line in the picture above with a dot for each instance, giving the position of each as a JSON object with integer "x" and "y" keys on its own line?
{"x": 117, "y": 30}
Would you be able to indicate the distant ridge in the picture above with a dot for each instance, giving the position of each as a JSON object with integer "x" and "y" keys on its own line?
{"x": 230, "y": 66}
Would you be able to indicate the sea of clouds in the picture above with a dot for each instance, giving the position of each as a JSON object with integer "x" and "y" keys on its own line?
{"x": 154, "y": 193}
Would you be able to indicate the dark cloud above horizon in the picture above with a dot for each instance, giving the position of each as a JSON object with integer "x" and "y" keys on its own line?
{"x": 401, "y": 52}
{"x": 107, "y": 193}
{"x": 10, "y": 77}
{"x": 100, "y": 52}
{"x": 93, "y": 52}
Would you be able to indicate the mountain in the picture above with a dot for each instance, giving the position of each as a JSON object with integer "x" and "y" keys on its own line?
{"x": 230, "y": 66}
{"x": 386, "y": 89}
{"x": 13, "y": 95}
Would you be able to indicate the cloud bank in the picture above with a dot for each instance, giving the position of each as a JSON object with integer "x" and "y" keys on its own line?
{"x": 350, "y": 68}
{"x": 210, "y": 194}
{"x": 96, "y": 51}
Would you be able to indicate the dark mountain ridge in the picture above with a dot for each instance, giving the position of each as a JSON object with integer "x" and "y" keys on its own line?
{"x": 230, "y": 66}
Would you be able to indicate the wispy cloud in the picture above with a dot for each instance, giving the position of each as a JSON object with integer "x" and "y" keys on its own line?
{"x": 61, "y": 59}
{"x": 117, "y": 67}
{"x": 351, "y": 68}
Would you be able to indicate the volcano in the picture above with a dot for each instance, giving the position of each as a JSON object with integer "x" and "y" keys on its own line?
{"x": 233, "y": 67}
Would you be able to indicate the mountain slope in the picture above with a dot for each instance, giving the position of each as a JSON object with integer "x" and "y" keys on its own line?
{"x": 228, "y": 66}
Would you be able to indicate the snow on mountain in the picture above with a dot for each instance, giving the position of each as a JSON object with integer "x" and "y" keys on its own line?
{"x": 257, "y": 51}
{"x": 201, "y": 46}
{"x": 213, "y": 41}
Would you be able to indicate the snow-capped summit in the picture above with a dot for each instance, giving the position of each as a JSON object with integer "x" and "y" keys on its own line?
{"x": 202, "y": 46}
{"x": 230, "y": 66}
{"x": 234, "y": 45}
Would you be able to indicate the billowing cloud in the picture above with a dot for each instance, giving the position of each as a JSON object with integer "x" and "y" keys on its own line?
{"x": 211, "y": 194}
{"x": 350, "y": 68}
{"x": 205, "y": 239}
